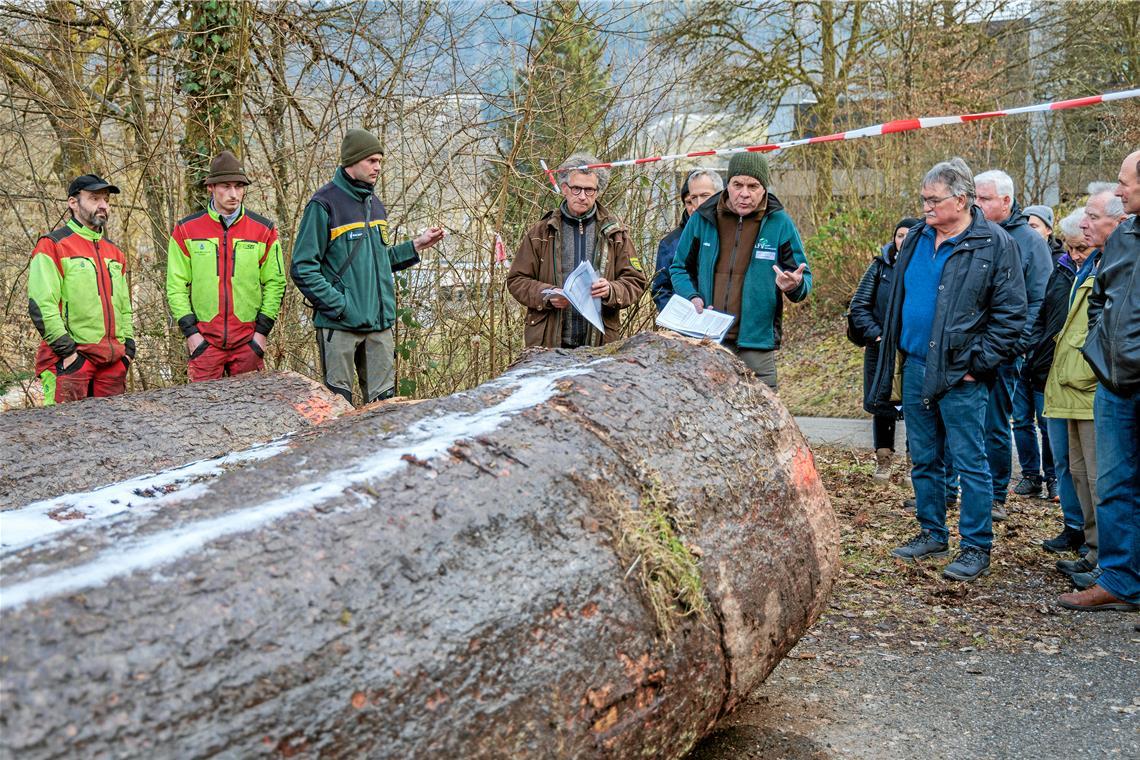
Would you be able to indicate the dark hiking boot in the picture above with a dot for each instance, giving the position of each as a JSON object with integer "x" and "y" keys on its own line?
{"x": 921, "y": 546}
{"x": 968, "y": 565}
{"x": 1071, "y": 566}
{"x": 1081, "y": 581}
{"x": 1028, "y": 487}
{"x": 998, "y": 512}
{"x": 1068, "y": 540}
{"x": 1051, "y": 491}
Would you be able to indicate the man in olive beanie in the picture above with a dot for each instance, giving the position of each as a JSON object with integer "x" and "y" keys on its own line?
{"x": 747, "y": 256}
{"x": 343, "y": 261}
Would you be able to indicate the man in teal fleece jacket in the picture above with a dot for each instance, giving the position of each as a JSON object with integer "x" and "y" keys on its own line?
{"x": 748, "y": 258}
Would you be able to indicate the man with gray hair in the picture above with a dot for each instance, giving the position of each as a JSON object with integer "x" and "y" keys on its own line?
{"x": 956, "y": 311}
{"x": 580, "y": 229}
{"x": 995, "y": 196}
{"x": 699, "y": 186}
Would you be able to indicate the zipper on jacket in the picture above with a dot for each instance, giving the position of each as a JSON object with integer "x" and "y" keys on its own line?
{"x": 227, "y": 295}
{"x": 375, "y": 264}
{"x": 732, "y": 264}
{"x": 103, "y": 285}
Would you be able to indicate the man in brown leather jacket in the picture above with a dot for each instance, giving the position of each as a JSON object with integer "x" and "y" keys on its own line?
{"x": 579, "y": 229}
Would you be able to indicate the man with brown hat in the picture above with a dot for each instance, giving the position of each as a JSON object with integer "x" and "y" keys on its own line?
{"x": 747, "y": 256}
{"x": 79, "y": 301}
{"x": 224, "y": 277}
{"x": 343, "y": 261}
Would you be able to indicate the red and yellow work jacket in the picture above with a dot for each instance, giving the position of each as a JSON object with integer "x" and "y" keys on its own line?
{"x": 78, "y": 297}
{"x": 225, "y": 282}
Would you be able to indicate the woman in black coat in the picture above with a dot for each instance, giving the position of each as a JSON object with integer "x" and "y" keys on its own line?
{"x": 866, "y": 313}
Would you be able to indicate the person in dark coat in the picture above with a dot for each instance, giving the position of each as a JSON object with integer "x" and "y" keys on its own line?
{"x": 868, "y": 307}
{"x": 699, "y": 186}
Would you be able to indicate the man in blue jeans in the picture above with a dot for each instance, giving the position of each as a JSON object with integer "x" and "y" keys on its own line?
{"x": 957, "y": 310}
{"x": 996, "y": 200}
{"x": 1112, "y": 349}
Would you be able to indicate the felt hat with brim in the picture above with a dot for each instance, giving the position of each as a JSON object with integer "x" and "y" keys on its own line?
{"x": 92, "y": 183}
{"x": 225, "y": 168}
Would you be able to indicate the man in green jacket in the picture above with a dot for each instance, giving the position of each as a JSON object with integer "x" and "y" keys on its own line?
{"x": 748, "y": 257}
{"x": 343, "y": 263}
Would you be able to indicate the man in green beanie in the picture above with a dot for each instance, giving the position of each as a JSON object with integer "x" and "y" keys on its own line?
{"x": 343, "y": 260}
{"x": 747, "y": 255}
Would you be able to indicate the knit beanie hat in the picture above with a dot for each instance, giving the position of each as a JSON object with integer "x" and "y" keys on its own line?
{"x": 357, "y": 145}
{"x": 225, "y": 168}
{"x": 909, "y": 222}
{"x": 750, "y": 165}
{"x": 1044, "y": 213}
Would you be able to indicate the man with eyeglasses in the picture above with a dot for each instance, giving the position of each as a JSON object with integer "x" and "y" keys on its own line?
{"x": 580, "y": 229}
{"x": 699, "y": 187}
{"x": 740, "y": 253}
{"x": 956, "y": 311}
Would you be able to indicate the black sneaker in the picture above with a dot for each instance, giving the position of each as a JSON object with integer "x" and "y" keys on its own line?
{"x": 1068, "y": 540}
{"x": 998, "y": 512}
{"x": 1051, "y": 491}
{"x": 921, "y": 546}
{"x": 968, "y": 565}
{"x": 1083, "y": 580}
{"x": 1074, "y": 566}
{"x": 1028, "y": 487}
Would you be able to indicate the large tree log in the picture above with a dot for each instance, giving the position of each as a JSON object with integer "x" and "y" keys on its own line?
{"x": 597, "y": 554}
{"x": 48, "y": 452}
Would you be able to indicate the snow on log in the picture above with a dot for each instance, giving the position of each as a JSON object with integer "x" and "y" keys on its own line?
{"x": 72, "y": 448}
{"x": 597, "y": 554}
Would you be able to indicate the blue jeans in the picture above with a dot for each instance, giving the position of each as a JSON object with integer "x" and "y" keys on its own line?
{"x": 1118, "y": 490}
{"x": 955, "y": 426}
{"x": 999, "y": 439}
{"x": 1070, "y": 504}
{"x": 1028, "y": 407}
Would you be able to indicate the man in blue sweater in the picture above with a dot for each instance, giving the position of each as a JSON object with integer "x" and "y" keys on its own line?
{"x": 956, "y": 311}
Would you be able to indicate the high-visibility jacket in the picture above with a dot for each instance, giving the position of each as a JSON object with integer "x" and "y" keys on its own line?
{"x": 78, "y": 297}
{"x": 225, "y": 282}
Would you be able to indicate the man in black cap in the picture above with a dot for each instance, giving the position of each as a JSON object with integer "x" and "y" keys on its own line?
{"x": 747, "y": 258}
{"x": 79, "y": 301}
{"x": 224, "y": 277}
{"x": 343, "y": 261}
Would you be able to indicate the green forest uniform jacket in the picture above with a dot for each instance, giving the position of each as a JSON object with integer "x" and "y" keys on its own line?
{"x": 78, "y": 297}
{"x": 342, "y": 260}
{"x": 225, "y": 282}
{"x": 1071, "y": 384}
{"x": 536, "y": 267}
{"x": 761, "y": 305}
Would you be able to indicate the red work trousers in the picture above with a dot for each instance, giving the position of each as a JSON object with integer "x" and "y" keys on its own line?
{"x": 210, "y": 362}
{"x": 84, "y": 378}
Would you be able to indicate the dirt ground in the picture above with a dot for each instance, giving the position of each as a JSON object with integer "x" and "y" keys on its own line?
{"x": 907, "y": 664}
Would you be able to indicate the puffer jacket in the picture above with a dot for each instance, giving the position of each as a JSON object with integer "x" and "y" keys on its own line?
{"x": 1113, "y": 346}
{"x": 978, "y": 319}
{"x": 1071, "y": 383}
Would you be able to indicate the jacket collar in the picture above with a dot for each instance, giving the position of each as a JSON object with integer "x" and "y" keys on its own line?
{"x": 83, "y": 231}
{"x": 213, "y": 212}
{"x": 357, "y": 189}
{"x": 607, "y": 222}
{"x": 1016, "y": 218}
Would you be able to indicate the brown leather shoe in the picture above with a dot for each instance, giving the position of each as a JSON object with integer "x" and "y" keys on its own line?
{"x": 1095, "y": 598}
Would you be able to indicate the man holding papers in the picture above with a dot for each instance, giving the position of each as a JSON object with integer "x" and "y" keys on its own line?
{"x": 748, "y": 257}
{"x": 583, "y": 239}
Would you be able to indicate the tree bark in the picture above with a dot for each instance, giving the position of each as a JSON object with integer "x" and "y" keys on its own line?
{"x": 77, "y": 447}
{"x": 597, "y": 554}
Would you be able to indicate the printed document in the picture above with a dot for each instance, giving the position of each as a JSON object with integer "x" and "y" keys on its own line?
{"x": 679, "y": 315}
{"x": 576, "y": 290}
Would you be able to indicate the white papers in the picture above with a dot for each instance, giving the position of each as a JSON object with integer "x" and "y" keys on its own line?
{"x": 679, "y": 315}
{"x": 576, "y": 290}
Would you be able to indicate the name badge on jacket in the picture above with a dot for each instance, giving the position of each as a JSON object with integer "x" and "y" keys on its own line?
{"x": 763, "y": 251}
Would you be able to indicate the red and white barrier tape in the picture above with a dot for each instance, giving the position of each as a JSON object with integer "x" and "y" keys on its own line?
{"x": 899, "y": 125}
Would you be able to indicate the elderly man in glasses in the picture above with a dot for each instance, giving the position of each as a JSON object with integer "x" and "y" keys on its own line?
{"x": 579, "y": 229}
{"x": 956, "y": 312}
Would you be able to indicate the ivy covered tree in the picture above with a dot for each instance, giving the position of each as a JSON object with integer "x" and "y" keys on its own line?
{"x": 213, "y": 67}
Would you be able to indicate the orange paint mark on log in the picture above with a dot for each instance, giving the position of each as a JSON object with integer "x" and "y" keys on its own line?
{"x": 804, "y": 472}
{"x": 315, "y": 410}
{"x": 589, "y": 610}
{"x": 436, "y": 699}
{"x": 359, "y": 700}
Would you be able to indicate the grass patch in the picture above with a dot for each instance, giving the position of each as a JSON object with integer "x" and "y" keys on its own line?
{"x": 820, "y": 372}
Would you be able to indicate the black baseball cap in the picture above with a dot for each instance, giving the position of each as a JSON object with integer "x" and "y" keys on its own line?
{"x": 91, "y": 183}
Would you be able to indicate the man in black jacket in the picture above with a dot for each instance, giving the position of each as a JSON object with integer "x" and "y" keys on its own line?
{"x": 1112, "y": 349}
{"x": 956, "y": 313}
